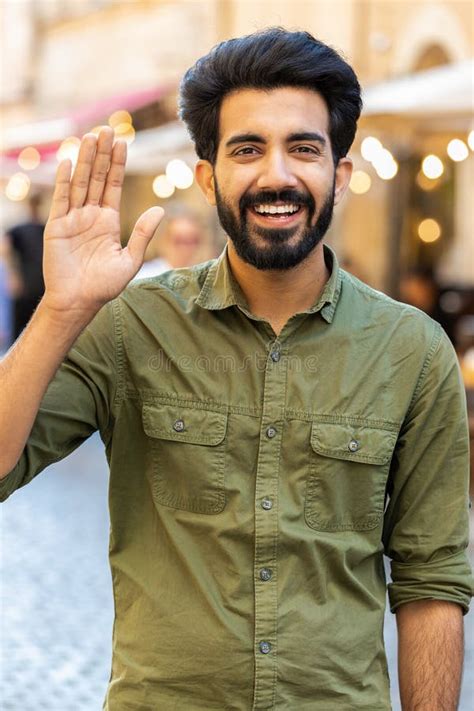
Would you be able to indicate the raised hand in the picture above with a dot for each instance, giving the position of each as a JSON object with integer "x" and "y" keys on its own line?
{"x": 84, "y": 262}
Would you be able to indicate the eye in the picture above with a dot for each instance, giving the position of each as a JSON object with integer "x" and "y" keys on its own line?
{"x": 312, "y": 150}
{"x": 245, "y": 151}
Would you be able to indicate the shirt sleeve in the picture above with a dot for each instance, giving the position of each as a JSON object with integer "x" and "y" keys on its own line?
{"x": 79, "y": 400}
{"x": 426, "y": 525}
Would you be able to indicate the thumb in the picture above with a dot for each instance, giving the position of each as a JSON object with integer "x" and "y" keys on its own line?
{"x": 143, "y": 232}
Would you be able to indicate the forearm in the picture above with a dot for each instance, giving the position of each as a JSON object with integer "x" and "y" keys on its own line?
{"x": 84, "y": 267}
{"x": 25, "y": 373}
{"x": 430, "y": 655}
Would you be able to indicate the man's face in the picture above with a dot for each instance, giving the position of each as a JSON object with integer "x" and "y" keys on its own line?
{"x": 274, "y": 177}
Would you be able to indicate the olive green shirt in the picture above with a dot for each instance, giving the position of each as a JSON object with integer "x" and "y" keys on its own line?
{"x": 255, "y": 483}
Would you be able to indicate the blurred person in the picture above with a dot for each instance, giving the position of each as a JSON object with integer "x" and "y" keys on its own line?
{"x": 272, "y": 424}
{"x": 5, "y": 309}
{"x": 418, "y": 287}
{"x": 182, "y": 244}
{"x": 23, "y": 252}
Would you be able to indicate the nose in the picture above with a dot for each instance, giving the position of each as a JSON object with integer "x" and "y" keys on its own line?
{"x": 276, "y": 173}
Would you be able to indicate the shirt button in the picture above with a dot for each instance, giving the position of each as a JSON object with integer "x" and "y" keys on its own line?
{"x": 178, "y": 426}
{"x": 265, "y": 647}
{"x": 275, "y": 356}
{"x": 266, "y": 504}
{"x": 271, "y": 432}
{"x": 353, "y": 445}
{"x": 265, "y": 574}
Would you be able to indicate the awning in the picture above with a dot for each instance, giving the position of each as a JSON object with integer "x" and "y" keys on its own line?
{"x": 47, "y": 135}
{"x": 446, "y": 91}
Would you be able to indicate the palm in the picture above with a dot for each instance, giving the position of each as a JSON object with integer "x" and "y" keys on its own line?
{"x": 84, "y": 263}
{"x": 90, "y": 261}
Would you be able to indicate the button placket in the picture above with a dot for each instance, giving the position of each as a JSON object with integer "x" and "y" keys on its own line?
{"x": 266, "y": 528}
{"x": 271, "y": 432}
{"x": 275, "y": 352}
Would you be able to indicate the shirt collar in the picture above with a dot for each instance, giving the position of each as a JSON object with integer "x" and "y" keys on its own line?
{"x": 221, "y": 290}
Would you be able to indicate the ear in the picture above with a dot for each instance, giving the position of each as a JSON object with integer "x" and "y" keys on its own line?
{"x": 343, "y": 177}
{"x": 204, "y": 173}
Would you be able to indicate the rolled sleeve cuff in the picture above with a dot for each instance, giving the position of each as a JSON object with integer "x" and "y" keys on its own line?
{"x": 10, "y": 483}
{"x": 447, "y": 579}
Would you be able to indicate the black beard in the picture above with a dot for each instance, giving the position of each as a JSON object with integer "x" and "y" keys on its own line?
{"x": 278, "y": 254}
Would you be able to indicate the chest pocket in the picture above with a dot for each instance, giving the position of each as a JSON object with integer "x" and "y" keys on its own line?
{"x": 348, "y": 474}
{"x": 188, "y": 449}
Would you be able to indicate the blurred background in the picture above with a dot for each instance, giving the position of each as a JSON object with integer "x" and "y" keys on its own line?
{"x": 405, "y": 227}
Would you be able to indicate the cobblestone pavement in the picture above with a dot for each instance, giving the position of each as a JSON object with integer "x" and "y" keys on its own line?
{"x": 56, "y": 593}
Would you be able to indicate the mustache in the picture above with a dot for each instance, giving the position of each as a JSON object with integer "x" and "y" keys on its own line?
{"x": 268, "y": 197}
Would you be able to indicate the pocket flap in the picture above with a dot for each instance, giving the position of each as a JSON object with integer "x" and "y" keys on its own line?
{"x": 355, "y": 442}
{"x": 180, "y": 423}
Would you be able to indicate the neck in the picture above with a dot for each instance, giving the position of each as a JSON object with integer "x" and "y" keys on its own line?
{"x": 277, "y": 295}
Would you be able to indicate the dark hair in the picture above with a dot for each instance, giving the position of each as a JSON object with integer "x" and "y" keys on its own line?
{"x": 269, "y": 59}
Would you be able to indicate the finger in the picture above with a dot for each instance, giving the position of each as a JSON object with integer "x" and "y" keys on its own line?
{"x": 82, "y": 171}
{"x": 114, "y": 182}
{"x": 60, "y": 201}
{"x": 101, "y": 166}
{"x": 142, "y": 233}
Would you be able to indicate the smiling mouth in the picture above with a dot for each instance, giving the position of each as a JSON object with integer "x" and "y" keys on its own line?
{"x": 279, "y": 213}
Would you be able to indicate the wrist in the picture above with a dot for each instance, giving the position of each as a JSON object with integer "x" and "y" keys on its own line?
{"x": 66, "y": 320}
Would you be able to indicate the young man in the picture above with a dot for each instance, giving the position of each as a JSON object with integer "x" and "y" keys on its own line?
{"x": 272, "y": 424}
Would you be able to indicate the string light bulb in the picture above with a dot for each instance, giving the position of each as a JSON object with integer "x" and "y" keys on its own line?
{"x": 29, "y": 158}
{"x": 18, "y": 187}
{"x": 432, "y": 167}
{"x": 162, "y": 187}
{"x": 360, "y": 182}
{"x": 457, "y": 150}
{"x": 429, "y": 230}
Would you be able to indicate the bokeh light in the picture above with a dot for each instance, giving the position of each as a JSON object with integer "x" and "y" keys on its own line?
{"x": 370, "y": 148}
{"x": 69, "y": 148}
{"x": 29, "y": 158}
{"x": 426, "y": 183}
{"x": 162, "y": 187}
{"x": 385, "y": 165}
{"x": 360, "y": 182}
{"x": 125, "y": 132}
{"x": 18, "y": 187}
{"x": 120, "y": 117}
{"x": 432, "y": 167}
{"x": 429, "y": 230}
{"x": 179, "y": 174}
{"x": 470, "y": 140}
{"x": 457, "y": 150}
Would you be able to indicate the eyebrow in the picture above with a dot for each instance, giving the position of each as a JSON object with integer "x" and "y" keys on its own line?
{"x": 313, "y": 136}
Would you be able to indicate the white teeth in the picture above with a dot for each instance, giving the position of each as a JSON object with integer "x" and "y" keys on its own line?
{"x": 274, "y": 209}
